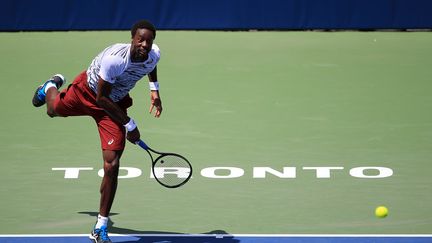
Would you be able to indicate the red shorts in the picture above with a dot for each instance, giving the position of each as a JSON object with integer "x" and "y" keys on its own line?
{"x": 79, "y": 100}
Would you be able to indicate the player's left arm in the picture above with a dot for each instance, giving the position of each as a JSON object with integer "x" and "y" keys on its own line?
{"x": 156, "y": 101}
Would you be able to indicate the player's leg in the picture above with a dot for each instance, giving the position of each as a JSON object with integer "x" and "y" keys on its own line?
{"x": 51, "y": 95}
{"x": 112, "y": 136}
{"x": 109, "y": 182}
{"x": 107, "y": 190}
{"x": 47, "y": 92}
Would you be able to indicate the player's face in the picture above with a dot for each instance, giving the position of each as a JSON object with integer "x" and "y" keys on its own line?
{"x": 141, "y": 45}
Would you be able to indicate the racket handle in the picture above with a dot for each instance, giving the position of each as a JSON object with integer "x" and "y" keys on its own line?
{"x": 142, "y": 144}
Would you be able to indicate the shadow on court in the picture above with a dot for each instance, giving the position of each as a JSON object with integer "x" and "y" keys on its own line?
{"x": 207, "y": 237}
{"x": 182, "y": 239}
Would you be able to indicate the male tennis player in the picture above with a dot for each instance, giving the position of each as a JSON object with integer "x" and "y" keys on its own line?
{"x": 102, "y": 92}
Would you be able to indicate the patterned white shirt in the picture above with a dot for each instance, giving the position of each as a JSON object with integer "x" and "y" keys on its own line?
{"x": 115, "y": 66}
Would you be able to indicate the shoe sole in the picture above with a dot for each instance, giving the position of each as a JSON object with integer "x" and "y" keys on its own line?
{"x": 92, "y": 238}
{"x": 36, "y": 102}
{"x": 61, "y": 77}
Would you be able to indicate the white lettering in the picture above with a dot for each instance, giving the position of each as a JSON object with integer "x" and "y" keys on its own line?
{"x": 323, "y": 172}
{"x": 366, "y": 172}
{"x": 181, "y": 172}
{"x": 72, "y": 173}
{"x": 383, "y": 172}
{"x": 232, "y": 172}
{"x": 131, "y": 172}
{"x": 288, "y": 172}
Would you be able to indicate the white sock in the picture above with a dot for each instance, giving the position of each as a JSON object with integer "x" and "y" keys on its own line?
{"x": 49, "y": 85}
{"x": 101, "y": 221}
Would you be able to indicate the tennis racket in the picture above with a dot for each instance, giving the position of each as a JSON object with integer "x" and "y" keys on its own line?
{"x": 169, "y": 169}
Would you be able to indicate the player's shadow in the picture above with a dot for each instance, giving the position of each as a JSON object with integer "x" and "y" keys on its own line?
{"x": 207, "y": 237}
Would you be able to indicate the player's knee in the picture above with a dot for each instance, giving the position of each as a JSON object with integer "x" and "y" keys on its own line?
{"x": 111, "y": 168}
{"x": 111, "y": 162}
{"x": 51, "y": 112}
{"x": 112, "y": 171}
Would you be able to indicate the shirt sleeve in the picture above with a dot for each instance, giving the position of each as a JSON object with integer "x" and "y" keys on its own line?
{"x": 156, "y": 52}
{"x": 111, "y": 67}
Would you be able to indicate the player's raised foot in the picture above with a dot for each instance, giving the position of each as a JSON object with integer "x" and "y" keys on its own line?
{"x": 100, "y": 235}
{"x": 39, "y": 97}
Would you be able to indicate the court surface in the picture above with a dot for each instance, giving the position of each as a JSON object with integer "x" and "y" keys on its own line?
{"x": 291, "y": 134}
{"x": 222, "y": 238}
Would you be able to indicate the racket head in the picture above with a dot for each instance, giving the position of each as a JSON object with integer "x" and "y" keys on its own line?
{"x": 171, "y": 170}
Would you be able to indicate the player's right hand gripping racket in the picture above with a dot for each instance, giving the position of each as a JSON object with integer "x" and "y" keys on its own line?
{"x": 169, "y": 169}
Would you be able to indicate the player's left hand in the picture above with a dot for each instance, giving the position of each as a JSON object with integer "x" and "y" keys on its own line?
{"x": 155, "y": 103}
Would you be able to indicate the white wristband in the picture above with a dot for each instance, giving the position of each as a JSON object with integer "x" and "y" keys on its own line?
{"x": 130, "y": 126}
{"x": 154, "y": 85}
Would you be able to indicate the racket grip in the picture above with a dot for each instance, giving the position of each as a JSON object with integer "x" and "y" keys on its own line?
{"x": 142, "y": 144}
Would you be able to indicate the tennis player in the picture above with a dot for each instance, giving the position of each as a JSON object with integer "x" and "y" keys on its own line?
{"x": 102, "y": 92}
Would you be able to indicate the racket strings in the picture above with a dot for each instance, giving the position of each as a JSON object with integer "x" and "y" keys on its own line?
{"x": 172, "y": 170}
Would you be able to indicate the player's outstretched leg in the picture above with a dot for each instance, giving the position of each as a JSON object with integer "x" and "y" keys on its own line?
{"x": 39, "y": 97}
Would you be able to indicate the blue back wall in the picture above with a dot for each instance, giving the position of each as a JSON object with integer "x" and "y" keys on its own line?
{"x": 16, "y": 15}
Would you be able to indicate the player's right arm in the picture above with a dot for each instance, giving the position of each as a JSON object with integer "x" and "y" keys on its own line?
{"x": 104, "y": 101}
{"x": 112, "y": 67}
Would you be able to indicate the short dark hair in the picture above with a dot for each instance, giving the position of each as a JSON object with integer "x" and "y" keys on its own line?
{"x": 143, "y": 24}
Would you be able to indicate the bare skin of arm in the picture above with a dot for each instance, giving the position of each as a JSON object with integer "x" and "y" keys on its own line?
{"x": 154, "y": 95}
{"x": 113, "y": 110}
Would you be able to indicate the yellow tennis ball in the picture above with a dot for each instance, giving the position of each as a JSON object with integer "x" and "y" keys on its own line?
{"x": 381, "y": 212}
